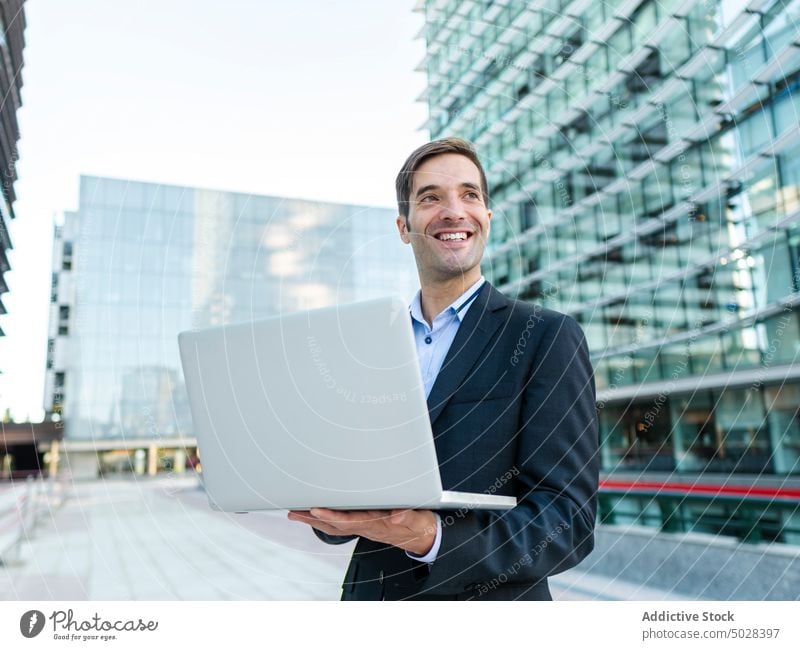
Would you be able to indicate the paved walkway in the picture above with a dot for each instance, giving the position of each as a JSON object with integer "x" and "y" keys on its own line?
{"x": 157, "y": 539}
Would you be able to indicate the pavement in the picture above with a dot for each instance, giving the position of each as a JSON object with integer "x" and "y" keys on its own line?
{"x": 157, "y": 539}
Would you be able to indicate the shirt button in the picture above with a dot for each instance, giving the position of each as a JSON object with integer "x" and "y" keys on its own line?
{"x": 428, "y": 339}
{"x": 380, "y": 577}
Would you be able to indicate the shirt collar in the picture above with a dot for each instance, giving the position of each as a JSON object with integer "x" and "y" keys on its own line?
{"x": 456, "y": 307}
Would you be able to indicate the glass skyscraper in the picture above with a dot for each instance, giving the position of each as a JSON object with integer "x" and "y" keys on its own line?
{"x": 12, "y": 43}
{"x": 643, "y": 159}
{"x": 139, "y": 262}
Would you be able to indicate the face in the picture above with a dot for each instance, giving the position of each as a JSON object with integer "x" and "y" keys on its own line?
{"x": 448, "y": 222}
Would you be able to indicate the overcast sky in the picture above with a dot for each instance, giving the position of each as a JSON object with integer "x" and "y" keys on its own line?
{"x": 301, "y": 98}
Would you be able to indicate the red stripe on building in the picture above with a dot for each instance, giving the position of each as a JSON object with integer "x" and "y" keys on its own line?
{"x": 703, "y": 489}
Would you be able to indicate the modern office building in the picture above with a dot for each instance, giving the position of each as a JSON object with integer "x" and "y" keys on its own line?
{"x": 643, "y": 159}
{"x": 16, "y": 441}
{"x": 139, "y": 262}
{"x": 12, "y": 28}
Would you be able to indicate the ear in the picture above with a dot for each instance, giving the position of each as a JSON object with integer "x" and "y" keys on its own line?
{"x": 402, "y": 227}
{"x": 488, "y": 222}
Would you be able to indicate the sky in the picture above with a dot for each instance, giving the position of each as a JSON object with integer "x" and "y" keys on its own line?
{"x": 306, "y": 99}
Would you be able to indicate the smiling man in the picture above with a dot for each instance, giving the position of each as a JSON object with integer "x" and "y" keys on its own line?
{"x": 511, "y": 401}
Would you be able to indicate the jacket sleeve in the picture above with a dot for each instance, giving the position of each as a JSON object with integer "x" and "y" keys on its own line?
{"x": 552, "y": 527}
{"x": 334, "y": 539}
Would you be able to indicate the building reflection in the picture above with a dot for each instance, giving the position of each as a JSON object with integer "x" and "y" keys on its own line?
{"x": 139, "y": 262}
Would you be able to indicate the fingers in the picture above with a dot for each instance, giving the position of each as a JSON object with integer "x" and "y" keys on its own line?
{"x": 336, "y": 522}
{"x": 302, "y": 516}
{"x": 306, "y": 518}
{"x": 389, "y": 526}
{"x": 404, "y": 528}
{"x": 349, "y": 517}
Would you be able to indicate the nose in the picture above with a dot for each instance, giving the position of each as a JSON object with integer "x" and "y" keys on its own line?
{"x": 453, "y": 208}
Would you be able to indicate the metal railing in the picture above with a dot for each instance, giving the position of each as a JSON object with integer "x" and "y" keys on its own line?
{"x": 21, "y": 508}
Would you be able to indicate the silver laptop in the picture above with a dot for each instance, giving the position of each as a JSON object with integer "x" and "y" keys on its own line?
{"x": 324, "y": 408}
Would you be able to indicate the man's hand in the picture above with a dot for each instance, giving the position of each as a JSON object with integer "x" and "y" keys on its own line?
{"x": 411, "y": 530}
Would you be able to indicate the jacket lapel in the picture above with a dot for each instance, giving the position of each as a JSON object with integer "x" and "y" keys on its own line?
{"x": 474, "y": 334}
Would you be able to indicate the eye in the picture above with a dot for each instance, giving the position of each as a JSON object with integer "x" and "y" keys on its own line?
{"x": 425, "y": 198}
{"x": 472, "y": 195}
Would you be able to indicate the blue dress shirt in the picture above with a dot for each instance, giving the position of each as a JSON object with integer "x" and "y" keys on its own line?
{"x": 433, "y": 343}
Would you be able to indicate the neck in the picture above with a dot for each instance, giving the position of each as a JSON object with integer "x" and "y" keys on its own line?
{"x": 436, "y": 296}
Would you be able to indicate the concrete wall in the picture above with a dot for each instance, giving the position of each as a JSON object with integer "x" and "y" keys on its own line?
{"x": 695, "y": 565}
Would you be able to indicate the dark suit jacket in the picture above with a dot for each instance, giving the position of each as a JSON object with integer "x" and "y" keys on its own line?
{"x": 513, "y": 413}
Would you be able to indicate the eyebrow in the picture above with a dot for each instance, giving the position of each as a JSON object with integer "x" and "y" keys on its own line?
{"x": 427, "y": 188}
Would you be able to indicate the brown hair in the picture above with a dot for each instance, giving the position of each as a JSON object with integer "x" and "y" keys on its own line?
{"x": 429, "y": 150}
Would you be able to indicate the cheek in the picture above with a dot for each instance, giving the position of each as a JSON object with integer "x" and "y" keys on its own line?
{"x": 416, "y": 228}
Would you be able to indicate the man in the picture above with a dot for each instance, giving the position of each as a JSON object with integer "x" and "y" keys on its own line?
{"x": 512, "y": 406}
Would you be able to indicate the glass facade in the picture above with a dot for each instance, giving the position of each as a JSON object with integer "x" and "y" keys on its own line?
{"x": 643, "y": 160}
{"x": 139, "y": 262}
{"x": 12, "y": 44}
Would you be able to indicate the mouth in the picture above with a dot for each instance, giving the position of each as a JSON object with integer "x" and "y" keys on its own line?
{"x": 453, "y": 238}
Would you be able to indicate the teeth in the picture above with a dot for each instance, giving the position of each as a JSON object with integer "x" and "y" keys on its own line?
{"x": 452, "y": 235}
